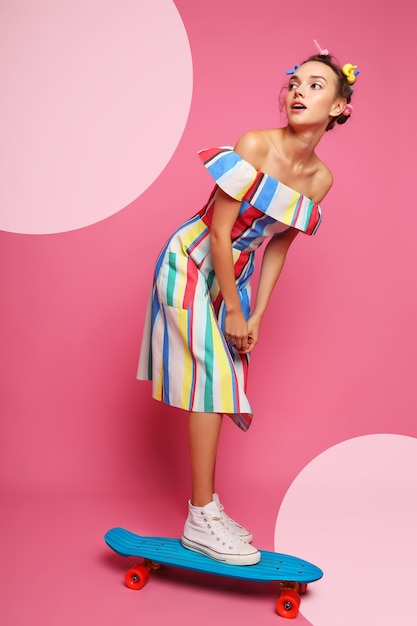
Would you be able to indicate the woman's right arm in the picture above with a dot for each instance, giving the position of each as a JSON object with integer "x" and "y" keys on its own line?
{"x": 226, "y": 209}
{"x": 225, "y": 212}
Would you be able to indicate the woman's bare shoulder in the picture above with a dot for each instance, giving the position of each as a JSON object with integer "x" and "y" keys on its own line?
{"x": 323, "y": 181}
{"x": 252, "y": 146}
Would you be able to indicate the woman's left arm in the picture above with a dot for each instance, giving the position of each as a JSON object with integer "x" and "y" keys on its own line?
{"x": 272, "y": 263}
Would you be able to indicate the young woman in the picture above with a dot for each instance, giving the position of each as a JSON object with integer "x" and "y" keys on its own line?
{"x": 199, "y": 330}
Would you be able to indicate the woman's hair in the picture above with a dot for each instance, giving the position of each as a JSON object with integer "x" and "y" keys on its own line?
{"x": 344, "y": 89}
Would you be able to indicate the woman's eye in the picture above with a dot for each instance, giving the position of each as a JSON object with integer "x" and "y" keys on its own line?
{"x": 316, "y": 85}
{"x": 292, "y": 86}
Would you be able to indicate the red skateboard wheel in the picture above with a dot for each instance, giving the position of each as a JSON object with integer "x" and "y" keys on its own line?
{"x": 288, "y": 603}
{"x": 137, "y": 577}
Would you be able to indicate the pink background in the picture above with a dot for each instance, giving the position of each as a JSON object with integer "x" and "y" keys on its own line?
{"x": 83, "y": 446}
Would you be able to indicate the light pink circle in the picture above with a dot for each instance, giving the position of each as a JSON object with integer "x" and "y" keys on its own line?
{"x": 95, "y": 99}
{"x": 353, "y": 512}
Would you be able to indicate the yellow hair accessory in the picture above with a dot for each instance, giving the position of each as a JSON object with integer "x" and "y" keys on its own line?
{"x": 350, "y": 73}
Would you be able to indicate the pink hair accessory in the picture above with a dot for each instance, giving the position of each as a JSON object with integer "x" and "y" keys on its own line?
{"x": 348, "y": 110}
{"x": 320, "y": 50}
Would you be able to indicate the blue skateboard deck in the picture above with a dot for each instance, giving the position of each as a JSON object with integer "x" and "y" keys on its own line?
{"x": 292, "y": 573}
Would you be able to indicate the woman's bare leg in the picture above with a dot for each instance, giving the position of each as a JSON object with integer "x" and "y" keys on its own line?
{"x": 203, "y": 438}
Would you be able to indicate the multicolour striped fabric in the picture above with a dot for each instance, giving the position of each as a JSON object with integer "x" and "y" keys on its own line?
{"x": 184, "y": 351}
{"x": 242, "y": 181}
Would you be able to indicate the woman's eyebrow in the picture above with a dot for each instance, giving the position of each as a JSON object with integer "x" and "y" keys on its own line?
{"x": 312, "y": 76}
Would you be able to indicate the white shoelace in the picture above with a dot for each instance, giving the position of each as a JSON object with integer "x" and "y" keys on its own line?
{"x": 218, "y": 527}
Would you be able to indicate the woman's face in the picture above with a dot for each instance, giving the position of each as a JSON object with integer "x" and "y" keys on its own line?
{"x": 312, "y": 95}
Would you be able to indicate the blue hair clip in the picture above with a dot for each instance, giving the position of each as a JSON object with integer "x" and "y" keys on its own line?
{"x": 288, "y": 72}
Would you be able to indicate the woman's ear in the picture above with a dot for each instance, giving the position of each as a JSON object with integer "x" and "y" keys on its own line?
{"x": 338, "y": 107}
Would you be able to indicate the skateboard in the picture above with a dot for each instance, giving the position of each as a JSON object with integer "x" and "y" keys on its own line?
{"x": 291, "y": 573}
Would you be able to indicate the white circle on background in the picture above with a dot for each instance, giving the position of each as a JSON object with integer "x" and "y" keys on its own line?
{"x": 95, "y": 97}
{"x": 353, "y": 512}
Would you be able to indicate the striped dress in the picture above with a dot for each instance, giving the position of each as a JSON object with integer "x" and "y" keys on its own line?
{"x": 184, "y": 352}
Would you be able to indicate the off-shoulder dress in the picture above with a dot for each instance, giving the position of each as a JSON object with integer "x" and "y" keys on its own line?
{"x": 184, "y": 351}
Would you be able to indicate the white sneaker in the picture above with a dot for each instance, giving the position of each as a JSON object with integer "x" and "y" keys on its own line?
{"x": 230, "y": 523}
{"x": 206, "y": 532}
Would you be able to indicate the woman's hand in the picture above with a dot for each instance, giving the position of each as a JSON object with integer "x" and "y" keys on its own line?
{"x": 236, "y": 330}
{"x": 241, "y": 334}
{"x": 253, "y": 334}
